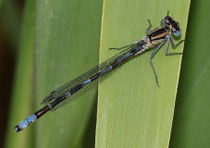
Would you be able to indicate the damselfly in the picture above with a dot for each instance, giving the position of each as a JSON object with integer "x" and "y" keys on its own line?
{"x": 69, "y": 91}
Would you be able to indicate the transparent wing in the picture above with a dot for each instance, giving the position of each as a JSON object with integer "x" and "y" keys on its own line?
{"x": 74, "y": 96}
{"x": 66, "y": 87}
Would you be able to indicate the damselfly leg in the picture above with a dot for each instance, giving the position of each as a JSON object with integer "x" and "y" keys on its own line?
{"x": 172, "y": 42}
{"x": 150, "y": 60}
{"x": 173, "y": 45}
{"x": 148, "y": 30}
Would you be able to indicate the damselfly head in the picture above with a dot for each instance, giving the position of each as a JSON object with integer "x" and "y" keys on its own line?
{"x": 172, "y": 25}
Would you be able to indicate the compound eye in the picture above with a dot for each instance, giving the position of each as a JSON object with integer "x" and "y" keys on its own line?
{"x": 173, "y": 29}
{"x": 177, "y": 33}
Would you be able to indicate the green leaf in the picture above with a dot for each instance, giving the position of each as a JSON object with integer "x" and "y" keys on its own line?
{"x": 66, "y": 45}
{"x": 22, "y": 96}
{"x": 132, "y": 110}
{"x": 191, "y": 124}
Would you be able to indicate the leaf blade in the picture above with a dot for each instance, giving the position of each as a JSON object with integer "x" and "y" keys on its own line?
{"x": 130, "y": 105}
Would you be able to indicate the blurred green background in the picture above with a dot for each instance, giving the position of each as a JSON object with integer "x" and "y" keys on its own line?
{"x": 22, "y": 68}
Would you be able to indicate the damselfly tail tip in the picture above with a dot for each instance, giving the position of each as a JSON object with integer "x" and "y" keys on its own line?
{"x": 17, "y": 128}
{"x": 25, "y": 123}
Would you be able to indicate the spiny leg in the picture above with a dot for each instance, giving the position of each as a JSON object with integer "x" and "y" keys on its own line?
{"x": 174, "y": 46}
{"x": 150, "y": 60}
{"x": 150, "y": 25}
{"x": 166, "y": 49}
{"x": 172, "y": 42}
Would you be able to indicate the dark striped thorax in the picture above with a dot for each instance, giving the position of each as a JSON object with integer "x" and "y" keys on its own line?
{"x": 155, "y": 37}
{"x": 159, "y": 35}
